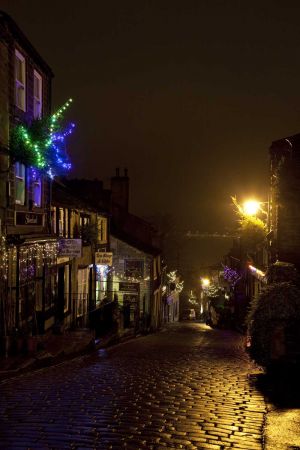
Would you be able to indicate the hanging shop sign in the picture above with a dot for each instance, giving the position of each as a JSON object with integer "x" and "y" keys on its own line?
{"x": 129, "y": 287}
{"x": 70, "y": 247}
{"x": 29, "y": 218}
{"x": 104, "y": 258}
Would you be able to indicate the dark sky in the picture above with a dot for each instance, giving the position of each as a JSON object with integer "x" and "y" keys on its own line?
{"x": 188, "y": 94}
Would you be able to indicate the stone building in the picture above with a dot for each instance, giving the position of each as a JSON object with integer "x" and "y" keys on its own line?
{"x": 284, "y": 199}
{"x": 133, "y": 242}
{"x": 28, "y": 250}
{"x": 82, "y": 233}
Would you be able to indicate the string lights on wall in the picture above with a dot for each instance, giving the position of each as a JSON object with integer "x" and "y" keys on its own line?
{"x": 32, "y": 258}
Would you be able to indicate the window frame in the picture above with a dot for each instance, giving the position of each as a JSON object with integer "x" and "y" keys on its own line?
{"x": 35, "y": 180}
{"x": 20, "y": 84}
{"x": 37, "y": 100}
{"x": 20, "y": 178}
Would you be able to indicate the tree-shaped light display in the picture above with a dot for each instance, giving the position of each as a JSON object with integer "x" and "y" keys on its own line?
{"x": 42, "y": 143}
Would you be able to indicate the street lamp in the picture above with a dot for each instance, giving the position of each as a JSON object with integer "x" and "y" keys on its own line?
{"x": 251, "y": 207}
{"x": 205, "y": 282}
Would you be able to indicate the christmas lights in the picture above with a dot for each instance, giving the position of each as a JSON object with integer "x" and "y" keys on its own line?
{"x": 42, "y": 144}
{"x": 230, "y": 275}
{"x": 173, "y": 278}
{"x": 3, "y": 258}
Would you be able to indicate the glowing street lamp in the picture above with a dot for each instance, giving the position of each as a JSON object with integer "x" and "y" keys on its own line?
{"x": 251, "y": 207}
{"x": 205, "y": 282}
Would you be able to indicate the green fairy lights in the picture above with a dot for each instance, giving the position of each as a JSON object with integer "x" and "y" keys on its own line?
{"x": 42, "y": 143}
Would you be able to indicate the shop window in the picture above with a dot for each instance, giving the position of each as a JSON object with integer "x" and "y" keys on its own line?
{"x": 101, "y": 282}
{"x": 20, "y": 172}
{"x": 37, "y": 95}
{"x": 20, "y": 81}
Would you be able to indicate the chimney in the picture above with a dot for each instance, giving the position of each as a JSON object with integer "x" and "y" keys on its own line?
{"x": 120, "y": 190}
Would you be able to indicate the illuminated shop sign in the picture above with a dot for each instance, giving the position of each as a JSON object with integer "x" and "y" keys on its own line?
{"x": 70, "y": 247}
{"x": 104, "y": 258}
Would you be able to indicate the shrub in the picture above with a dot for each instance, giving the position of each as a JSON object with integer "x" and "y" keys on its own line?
{"x": 277, "y": 306}
{"x": 282, "y": 271}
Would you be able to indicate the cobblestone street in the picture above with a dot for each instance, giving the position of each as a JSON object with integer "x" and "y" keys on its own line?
{"x": 187, "y": 387}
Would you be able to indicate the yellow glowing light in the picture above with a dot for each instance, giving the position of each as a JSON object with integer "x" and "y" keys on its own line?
{"x": 251, "y": 207}
{"x": 205, "y": 282}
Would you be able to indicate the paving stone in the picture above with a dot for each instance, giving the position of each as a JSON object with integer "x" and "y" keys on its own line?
{"x": 184, "y": 388}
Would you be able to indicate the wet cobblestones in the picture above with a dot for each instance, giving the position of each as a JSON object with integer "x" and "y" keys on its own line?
{"x": 186, "y": 388}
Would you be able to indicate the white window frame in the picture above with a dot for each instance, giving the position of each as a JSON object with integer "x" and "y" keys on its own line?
{"x": 61, "y": 222}
{"x": 20, "y": 177}
{"x": 37, "y": 99}
{"x": 37, "y": 185}
{"x": 20, "y": 85}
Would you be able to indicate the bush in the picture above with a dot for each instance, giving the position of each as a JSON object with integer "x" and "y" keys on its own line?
{"x": 276, "y": 308}
{"x": 282, "y": 271}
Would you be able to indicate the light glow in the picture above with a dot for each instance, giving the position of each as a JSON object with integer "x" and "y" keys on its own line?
{"x": 259, "y": 273}
{"x": 251, "y": 207}
{"x": 205, "y": 282}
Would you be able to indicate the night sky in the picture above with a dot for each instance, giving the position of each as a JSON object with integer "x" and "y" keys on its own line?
{"x": 188, "y": 95}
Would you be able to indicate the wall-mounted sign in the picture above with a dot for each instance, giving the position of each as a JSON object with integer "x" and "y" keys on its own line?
{"x": 70, "y": 247}
{"x": 130, "y": 298}
{"x": 134, "y": 268}
{"x": 104, "y": 258}
{"x": 29, "y": 218}
{"x": 129, "y": 287}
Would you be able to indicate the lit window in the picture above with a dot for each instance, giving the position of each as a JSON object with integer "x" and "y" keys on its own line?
{"x": 37, "y": 95}
{"x": 84, "y": 221}
{"x": 61, "y": 221}
{"x": 20, "y": 183}
{"x": 20, "y": 81}
{"x": 36, "y": 187}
